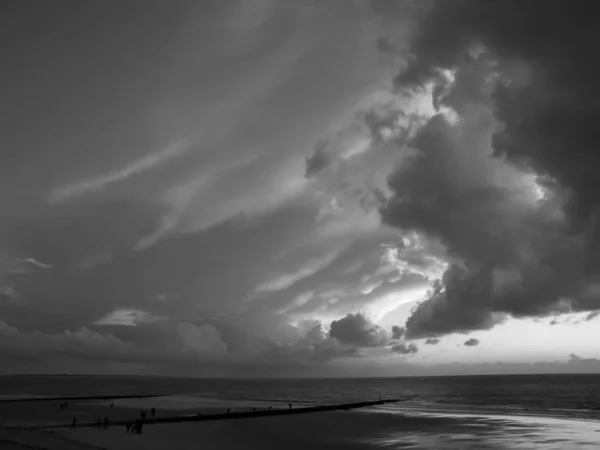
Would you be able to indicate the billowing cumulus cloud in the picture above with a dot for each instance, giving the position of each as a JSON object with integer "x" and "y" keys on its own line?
{"x": 489, "y": 175}
{"x": 471, "y": 342}
{"x": 398, "y": 332}
{"x": 358, "y": 330}
{"x": 432, "y": 341}
{"x": 405, "y": 349}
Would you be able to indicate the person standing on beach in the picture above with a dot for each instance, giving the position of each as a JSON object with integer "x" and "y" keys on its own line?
{"x": 153, "y": 412}
{"x": 74, "y": 423}
{"x": 106, "y": 423}
{"x": 98, "y": 423}
{"x": 290, "y": 405}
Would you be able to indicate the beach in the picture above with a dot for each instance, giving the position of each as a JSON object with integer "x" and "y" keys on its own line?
{"x": 363, "y": 429}
{"x": 541, "y": 413}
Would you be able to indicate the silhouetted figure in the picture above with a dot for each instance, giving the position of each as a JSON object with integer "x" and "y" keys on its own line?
{"x": 106, "y": 423}
{"x": 143, "y": 414}
{"x": 74, "y": 423}
{"x": 128, "y": 427}
{"x": 153, "y": 412}
{"x": 253, "y": 409}
{"x": 227, "y": 410}
{"x": 290, "y": 405}
{"x": 380, "y": 398}
{"x": 98, "y": 423}
{"x": 66, "y": 405}
{"x": 137, "y": 428}
{"x": 112, "y": 404}
{"x": 270, "y": 408}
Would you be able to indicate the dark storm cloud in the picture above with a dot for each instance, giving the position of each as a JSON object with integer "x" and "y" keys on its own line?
{"x": 471, "y": 342}
{"x": 405, "y": 349}
{"x": 357, "y": 330}
{"x": 398, "y": 332}
{"x": 432, "y": 341}
{"x": 529, "y": 92}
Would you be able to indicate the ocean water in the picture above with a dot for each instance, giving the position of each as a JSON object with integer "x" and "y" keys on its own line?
{"x": 555, "y": 395}
{"x": 496, "y": 412}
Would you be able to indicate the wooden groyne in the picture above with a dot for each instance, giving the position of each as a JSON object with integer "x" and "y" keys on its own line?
{"x": 241, "y": 415}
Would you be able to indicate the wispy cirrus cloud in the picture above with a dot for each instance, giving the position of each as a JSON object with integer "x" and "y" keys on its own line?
{"x": 95, "y": 184}
{"x": 309, "y": 268}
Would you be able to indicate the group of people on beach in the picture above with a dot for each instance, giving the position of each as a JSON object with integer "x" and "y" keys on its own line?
{"x": 102, "y": 424}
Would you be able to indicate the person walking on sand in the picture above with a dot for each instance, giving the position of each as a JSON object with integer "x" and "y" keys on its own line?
{"x": 74, "y": 423}
{"x": 290, "y": 405}
{"x": 106, "y": 423}
{"x": 137, "y": 428}
{"x": 98, "y": 423}
{"x": 153, "y": 412}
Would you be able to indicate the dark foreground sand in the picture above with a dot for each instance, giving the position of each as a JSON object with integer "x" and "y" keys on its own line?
{"x": 324, "y": 430}
{"x": 339, "y": 430}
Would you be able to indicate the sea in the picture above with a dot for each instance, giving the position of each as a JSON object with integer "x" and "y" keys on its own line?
{"x": 506, "y": 411}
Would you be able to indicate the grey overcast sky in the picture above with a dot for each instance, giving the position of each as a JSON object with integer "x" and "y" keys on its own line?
{"x": 306, "y": 188}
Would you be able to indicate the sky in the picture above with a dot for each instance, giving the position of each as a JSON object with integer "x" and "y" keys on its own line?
{"x": 311, "y": 188}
